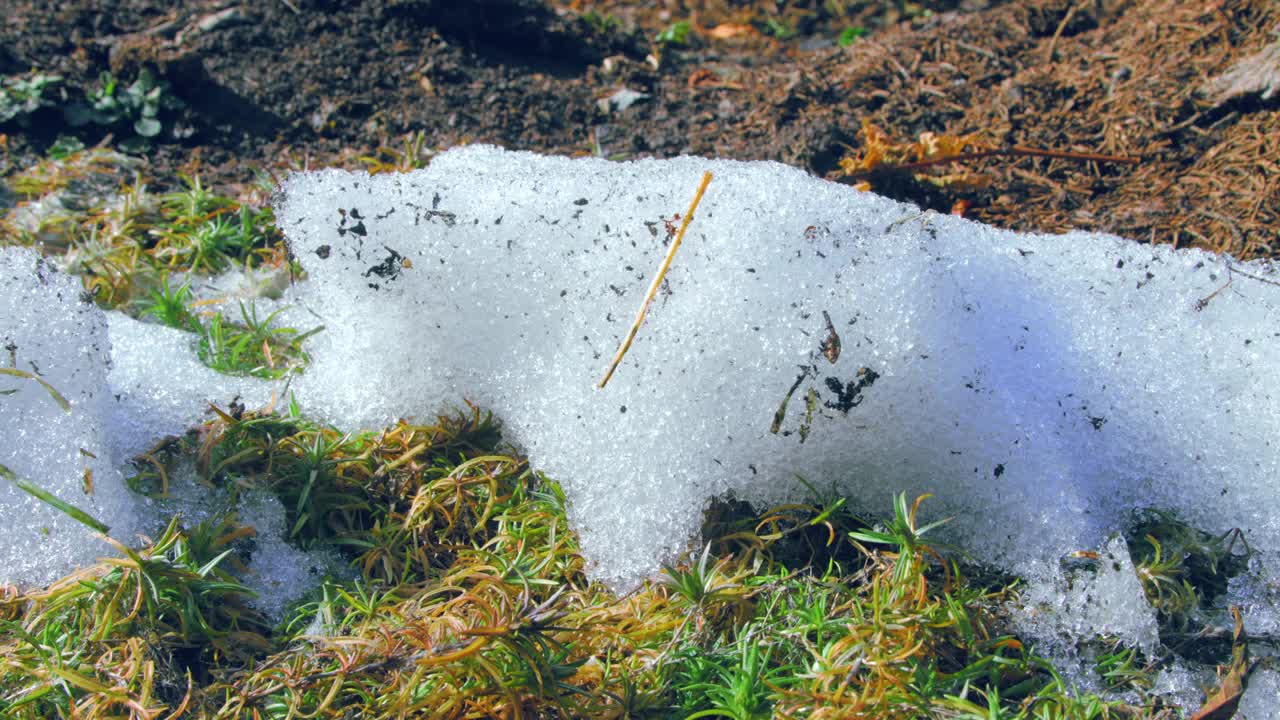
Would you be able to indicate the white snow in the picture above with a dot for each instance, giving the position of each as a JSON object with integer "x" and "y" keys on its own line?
{"x": 48, "y": 328}
{"x": 1064, "y": 607}
{"x": 1042, "y": 386}
{"x": 1261, "y": 699}
{"x": 280, "y": 572}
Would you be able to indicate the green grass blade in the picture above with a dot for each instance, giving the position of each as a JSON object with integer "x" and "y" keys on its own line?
{"x": 57, "y": 396}
{"x": 49, "y": 499}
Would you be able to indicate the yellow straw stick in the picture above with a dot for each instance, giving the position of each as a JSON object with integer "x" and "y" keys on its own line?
{"x": 657, "y": 280}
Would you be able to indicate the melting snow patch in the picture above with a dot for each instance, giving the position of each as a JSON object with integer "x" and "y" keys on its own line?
{"x": 1257, "y": 595}
{"x": 1261, "y": 700}
{"x": 51, "y": 330}
{"x": 1102, "y": 598}
{"x": 128, "y": 384}
{"x": 280, "y": 573}
{"x": 1041, "y": 385}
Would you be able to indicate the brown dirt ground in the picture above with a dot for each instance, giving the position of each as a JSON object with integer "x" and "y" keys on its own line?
{"x": 288, "y": 83}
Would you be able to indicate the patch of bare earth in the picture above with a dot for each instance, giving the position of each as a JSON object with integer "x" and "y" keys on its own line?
{"x": 1188, "y": 89}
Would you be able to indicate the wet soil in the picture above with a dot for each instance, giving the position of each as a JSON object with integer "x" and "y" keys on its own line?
{"x": 280, "y": 84}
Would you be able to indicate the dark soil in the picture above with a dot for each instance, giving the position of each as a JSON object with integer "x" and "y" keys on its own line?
{"x": 290, "y": 83}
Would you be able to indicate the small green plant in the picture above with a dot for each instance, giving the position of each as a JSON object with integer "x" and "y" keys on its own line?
{"x": 903, "y": 533}
{"x": 740, "y": 683}
{"x": 214, "y": 240}
{"x": 207, "y": 232}
{"x": 411, "y": 155}
{"x": 702, "y": 582}
{"x": 171, "y": 307}
{"x": 808, "y": 611}
{"x": 309, "y": 486}
{"x": 121, "y": 238}
{"x": 1182, "y": 567}
{"x": 253, "y": 346}
{"x": 21, "y": 97}
{"x": 602, "y": 22}
{"x": 677, "y": 33}
{"x": 210, "y": 246}
{"x": 850, "y": 35}
{"x": 137, "y": 106}
{"x": 194, "y": 203}
{"x": 178, "y": 592}
{"x": 779, "y": 29}
{"x": 1120, "y": 668}
{"x": 64, "y": 147}
{"x": 1165, "y": 583}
